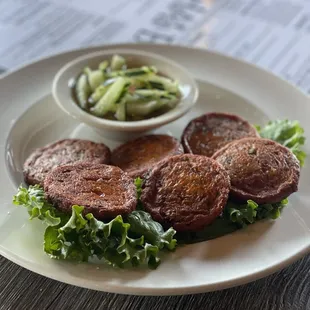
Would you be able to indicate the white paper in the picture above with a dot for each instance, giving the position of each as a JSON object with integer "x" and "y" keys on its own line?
{"x": 274, "y": 34}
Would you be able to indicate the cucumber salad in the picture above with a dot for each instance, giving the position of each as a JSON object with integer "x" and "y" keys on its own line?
{"x": 114, "y": 91}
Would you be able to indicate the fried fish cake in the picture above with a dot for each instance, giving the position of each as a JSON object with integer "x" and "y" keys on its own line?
{"x": 62, "y": 152}
{"x": 259, "y": 169}
{"x": 105, "y": 191}
{"x": 208, "y": 133}
{"x": 136, "y": 157}
{"x": 186, "y": 192}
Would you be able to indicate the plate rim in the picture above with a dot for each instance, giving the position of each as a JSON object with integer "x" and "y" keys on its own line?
{"x": 116, "y": 288}
{"x": 143, "y": 291}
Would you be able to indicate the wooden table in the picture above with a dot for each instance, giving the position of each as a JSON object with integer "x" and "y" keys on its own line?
{"x": 288, "y": 289}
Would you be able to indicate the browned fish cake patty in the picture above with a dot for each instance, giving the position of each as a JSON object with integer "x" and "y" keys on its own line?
{"x": 186, "y": 192}
{"x": 136, "y": 157}
{"x": 105, "y": 191}
{"x": 259, "y": 169}
{"x": 62, "y": 152}
{"x": 208, "y": 133}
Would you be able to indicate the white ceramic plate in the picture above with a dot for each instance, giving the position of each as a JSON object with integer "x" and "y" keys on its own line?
{"x": 29, "y": 118}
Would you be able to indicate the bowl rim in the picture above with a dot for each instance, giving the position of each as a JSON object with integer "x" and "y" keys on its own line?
{"x": 76, "y": 112}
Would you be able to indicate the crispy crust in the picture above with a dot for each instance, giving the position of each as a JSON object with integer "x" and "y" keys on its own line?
{"x": 136, "y": 157}
{"x": 186, "y": 192}
{"x": 260, "y": 169}
{"x": 103, "y": 190}
{"x": 208, "y": 133}
{"x": 63, "y": 152}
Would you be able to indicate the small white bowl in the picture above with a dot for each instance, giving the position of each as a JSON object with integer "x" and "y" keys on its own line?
{"x": 121, "y": 130}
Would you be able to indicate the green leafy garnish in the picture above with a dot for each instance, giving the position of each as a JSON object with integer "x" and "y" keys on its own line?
{"x": 242, "y": 214}
{"x": 141, "y": 223}
{"x": 288, "y": 133}
{"x": 249, "y": 213}
{"x": 136, "y": 240}
{"x": 234, "y": 217}
{"x": 38, "y": 207}
{"x": 271, "y": 211}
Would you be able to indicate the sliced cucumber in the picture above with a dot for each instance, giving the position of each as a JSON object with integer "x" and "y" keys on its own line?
{"x": 152, "y": 93}
{"x": 132, "y": 98}
{"x": 137, "y": 82}
{"x": 171, "y": 103}
{"x": 143, "y": 108}
{"x": 109, "y": 81}
{"x": 82, "y": 91}
{"x": 156, "y": 85}
{"x": 108, "y": 102}
{"x": 103, "y": 65}
{"x": 117, "y": 62}
{"x": 150, "y": 69}
{"x": 87, "y": 70}
{"x": 167, "y": 84}
{"x": 95, "y": 78}
{"x": 131, "y": 72}
{"x": 113, "y": 89}
{"x": 98, "y": 93}
{"x": 121, "y": 110}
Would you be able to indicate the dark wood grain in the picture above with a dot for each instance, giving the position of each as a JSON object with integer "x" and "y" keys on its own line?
{"x": 287, "y": 289}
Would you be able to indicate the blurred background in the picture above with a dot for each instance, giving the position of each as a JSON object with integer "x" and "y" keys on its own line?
{"x": 273, "y": 34}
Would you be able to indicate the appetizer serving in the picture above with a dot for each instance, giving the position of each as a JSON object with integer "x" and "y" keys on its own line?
{"x": 116, "y": 92}
{"x": 147, "y": 196}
